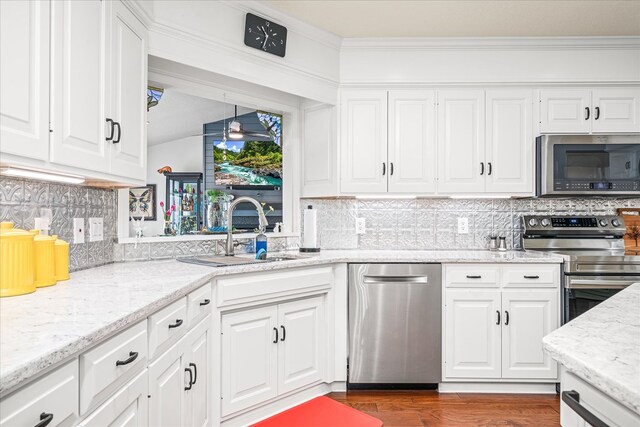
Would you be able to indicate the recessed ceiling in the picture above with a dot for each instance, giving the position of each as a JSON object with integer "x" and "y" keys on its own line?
{"x": 475, "y": 18}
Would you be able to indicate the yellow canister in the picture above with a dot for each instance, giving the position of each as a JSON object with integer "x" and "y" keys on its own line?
{"x": 44, "y": 258}
{"x": 62, "y": 259}
{"x": 16, "y": 261}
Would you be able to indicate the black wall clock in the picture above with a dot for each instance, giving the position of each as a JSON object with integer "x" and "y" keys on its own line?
{"x": 265, "y": 35}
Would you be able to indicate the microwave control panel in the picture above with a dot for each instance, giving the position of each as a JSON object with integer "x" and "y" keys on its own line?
{"x": 596, "y": 186}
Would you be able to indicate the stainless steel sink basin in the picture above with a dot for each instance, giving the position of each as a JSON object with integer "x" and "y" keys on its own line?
{"x": 226, "y": 261}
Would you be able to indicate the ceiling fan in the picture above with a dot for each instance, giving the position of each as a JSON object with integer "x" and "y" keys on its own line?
{"x": 235, "y": 130}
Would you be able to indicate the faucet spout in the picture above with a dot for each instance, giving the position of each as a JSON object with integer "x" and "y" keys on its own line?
{"x": 262, "y": 219}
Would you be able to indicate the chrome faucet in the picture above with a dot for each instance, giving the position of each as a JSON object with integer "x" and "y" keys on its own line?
{"x": 228, "y": 248}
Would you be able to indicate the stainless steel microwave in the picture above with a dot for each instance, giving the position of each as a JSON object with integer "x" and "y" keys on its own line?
{"x": 602, "y": 165}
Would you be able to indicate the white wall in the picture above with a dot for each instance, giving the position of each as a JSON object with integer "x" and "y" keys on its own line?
{"x": 494, "y": 60}
{"x": 183, "y": 155}
{"x": 210, "y": 35}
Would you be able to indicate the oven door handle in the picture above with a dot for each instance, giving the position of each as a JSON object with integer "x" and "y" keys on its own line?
{"x": 599, "y": 284}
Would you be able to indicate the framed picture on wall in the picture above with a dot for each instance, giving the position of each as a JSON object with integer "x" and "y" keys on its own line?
{"x": 142, "y": 202}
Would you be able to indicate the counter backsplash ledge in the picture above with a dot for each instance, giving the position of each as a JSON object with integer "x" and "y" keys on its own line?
{"x": 433, "y": 223}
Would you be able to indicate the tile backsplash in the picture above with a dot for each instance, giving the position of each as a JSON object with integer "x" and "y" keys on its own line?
{"x": 433, "y": 223}
{"x": 22, "y": 199}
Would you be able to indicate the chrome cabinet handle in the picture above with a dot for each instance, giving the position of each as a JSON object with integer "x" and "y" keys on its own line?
{"x": 175, "y": 325}
{"x": 572, "y": 399}
{"x": 588, "y": 113}
{"x": 45, "y": 420}
{"x": 133, "y": 355}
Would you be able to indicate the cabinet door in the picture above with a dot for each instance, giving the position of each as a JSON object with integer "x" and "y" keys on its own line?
{"x": 528, "y": 315}
{"x": 565, "y": 111}
{"x": 167, "y": 381}
{"x": 412, "y": 141}
{"x": 364, "y": 141}
{"x": 472, "y": 334}
{"x": 319, "y": 151}
{"x": 509, "y": 147}
{"x": 197, "y": 356}
{"x": 249, "y": 358}
{"x": 461, "y": 164}
{"x": 301, "y": 357}
{"x": 127, "y": 95}
{"x": 24, "y": 78}
{"x": 77, "y": 79}
{"x": 127, "y": 408}
{"x": 616, "y": 110}
{"x": 54, "y": 397}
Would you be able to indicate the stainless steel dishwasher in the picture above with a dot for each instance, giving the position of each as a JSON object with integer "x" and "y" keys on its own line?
{"x": 395, "y": 318}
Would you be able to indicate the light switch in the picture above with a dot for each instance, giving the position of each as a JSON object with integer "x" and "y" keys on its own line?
{"x": 95, "y": 230}
{"x": 78, "y": 230}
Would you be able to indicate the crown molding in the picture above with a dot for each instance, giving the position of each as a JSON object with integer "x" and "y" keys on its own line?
{"x": 491, "y": 43}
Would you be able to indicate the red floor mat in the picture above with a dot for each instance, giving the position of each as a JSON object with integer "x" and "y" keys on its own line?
{"x": 320, "y": 412}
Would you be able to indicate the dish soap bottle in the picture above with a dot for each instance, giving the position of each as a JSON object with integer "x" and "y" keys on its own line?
{"x": 261, "y": 245}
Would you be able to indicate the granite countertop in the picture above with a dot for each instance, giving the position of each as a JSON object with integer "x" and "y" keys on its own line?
{"x": 602, "y": 346}
{"x": 51, "y": 325}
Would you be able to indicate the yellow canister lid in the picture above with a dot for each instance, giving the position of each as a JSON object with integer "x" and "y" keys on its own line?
{"x": 42, "y": 237}
{"x": 6, "y": 225}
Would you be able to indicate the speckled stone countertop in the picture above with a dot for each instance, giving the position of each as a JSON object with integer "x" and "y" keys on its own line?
{"x": 602, "y": 346}
{"x": 51, "y": 325}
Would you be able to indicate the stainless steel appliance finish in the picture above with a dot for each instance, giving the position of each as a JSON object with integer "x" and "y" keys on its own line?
{"x": 596, "y": 266}
{"x": 394, "y": 324}
{"x": 606, "y": 165}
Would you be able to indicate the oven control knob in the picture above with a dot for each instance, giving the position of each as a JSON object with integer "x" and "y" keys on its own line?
{"x": 604, "y": 223}
{"x": 545, "y": 222}
{"x": 533, "y": 222}
{"x": 615, "y": 223}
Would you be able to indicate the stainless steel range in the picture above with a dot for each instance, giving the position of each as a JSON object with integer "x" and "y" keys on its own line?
{"x": 596, "y": 265}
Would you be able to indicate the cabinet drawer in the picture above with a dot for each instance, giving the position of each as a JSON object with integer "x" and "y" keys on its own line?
{"x": 167, "y": 325}
{"x": 531, "y": 275}
{"x": 471, "y": 276}
{"x": 107, "y": 366}
{"x": 55, "y": 394}
{"x": 199, "y": 303}
{"x": 251, "y": 287}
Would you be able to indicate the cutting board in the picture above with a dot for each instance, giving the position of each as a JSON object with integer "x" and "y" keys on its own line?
{"x": 631, "y": 217}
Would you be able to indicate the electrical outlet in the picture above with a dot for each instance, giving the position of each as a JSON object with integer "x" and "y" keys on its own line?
{"x": 361, "y": 226}
{"x": 95, "y": 230}
{"x": 78, "y": 230}
{"x": 463, "y": 225}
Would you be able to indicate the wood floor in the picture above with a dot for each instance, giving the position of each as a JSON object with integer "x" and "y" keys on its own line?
{"x": 428, "y": 408}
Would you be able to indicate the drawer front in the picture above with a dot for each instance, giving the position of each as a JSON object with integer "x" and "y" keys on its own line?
{"x": 471, "y": 276}
{"x": 54, "y": 395}
{"x": 105, "y": 367}
{"x": 531, "y": 275}
{"x": 251, "y": 287}
{"x": 598, "y": 403}
{"x": 167, "y": 325}
{"x": 199, "y": 303}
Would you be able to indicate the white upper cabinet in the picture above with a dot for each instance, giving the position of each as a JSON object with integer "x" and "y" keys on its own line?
{"x": 509, "y": 141}
{"x": 77, "y": 84}
{"x": 319, "y": 170}
{"x": 461, "y": 164}
{"x": 364, "y": 141}
{"x": 616, "y": 110}
{"x": 607, "y": 110}
{"x": 412, "y": 145}
{"x": 565, "y": 111}
{"x": 24, "y": 78}
{"x": 127, "y": 100}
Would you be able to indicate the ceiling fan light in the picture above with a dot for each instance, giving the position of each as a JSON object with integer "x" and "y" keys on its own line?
{"x": 235, "y": 135}
{"x": 235, "y": 126}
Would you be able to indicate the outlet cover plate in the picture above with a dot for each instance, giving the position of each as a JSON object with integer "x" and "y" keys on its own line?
{"x": 361, "y": 226}
{"x": 463, "y": 225}
{"x": 78, "y": 230}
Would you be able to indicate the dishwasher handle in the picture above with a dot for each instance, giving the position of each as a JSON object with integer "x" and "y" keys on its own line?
{"x": 395, "y": 279}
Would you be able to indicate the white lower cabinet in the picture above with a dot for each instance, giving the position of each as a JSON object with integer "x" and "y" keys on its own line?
{"x": 127, "y": 408}
{"x": 53, "y": 397}
{"x": 269, "y": 351}
{"x": 178, "y": 381}
{"x": 496, "y": 333}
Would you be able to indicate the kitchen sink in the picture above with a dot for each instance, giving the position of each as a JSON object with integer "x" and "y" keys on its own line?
{"x": 227, "y": 261}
